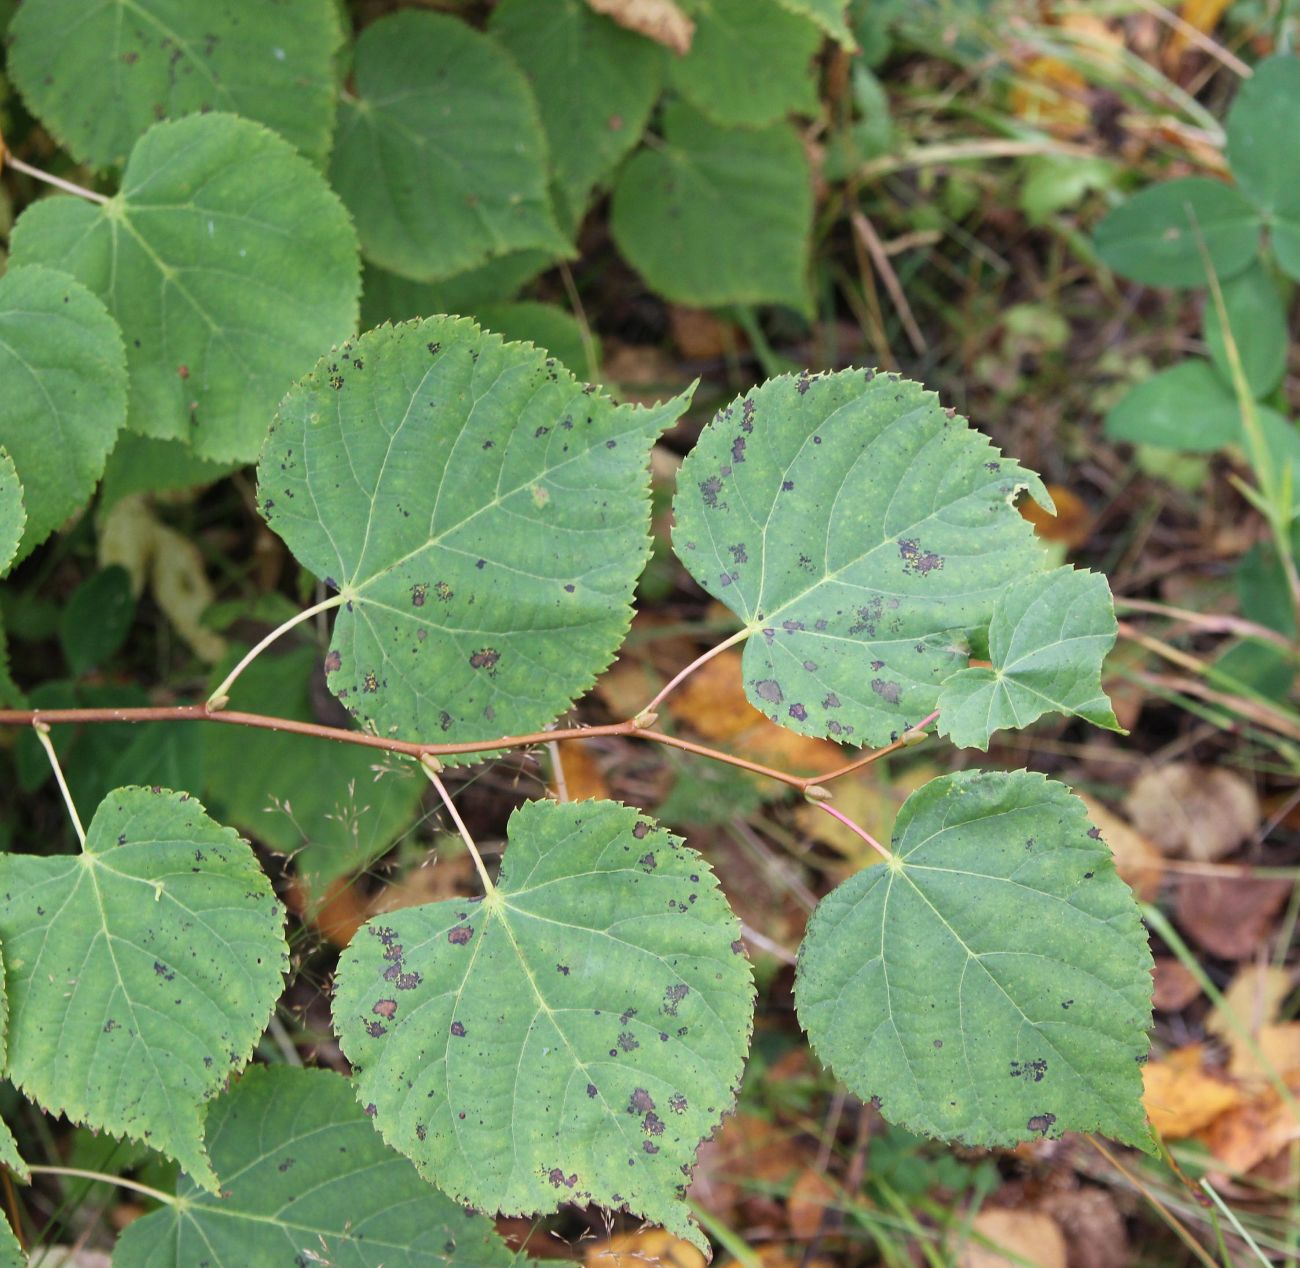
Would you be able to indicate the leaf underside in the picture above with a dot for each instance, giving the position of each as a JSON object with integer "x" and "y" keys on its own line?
{"x": 1048, "y": 637}
{"x": 571, "y": 1038}
{"x": 993, "y": 985}
{"x": 227, "y": 261}
{"x": 484, "y": 515}
{"x": 863, "y": 533}
{"x": 142, "y": 971}
{"x": 306, "y": 1180}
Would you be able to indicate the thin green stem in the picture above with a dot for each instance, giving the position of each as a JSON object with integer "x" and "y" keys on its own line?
{"x": 168, "y": 1199}
{"x": 428, "y": 766}
{"x": 1232, "y": 1219}
{"x": 218, "y": 699}
{"x": 43, "y": 734}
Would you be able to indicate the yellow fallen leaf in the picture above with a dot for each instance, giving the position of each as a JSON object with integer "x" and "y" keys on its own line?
{"x": 1050, "y": 94}
{"x": 1072, "y": 523}
{"x": 1278, "y": 1045}
{"x": 1252, "y": 1000}
{"x": 1181, "y": 1096}
{"x": 647, "y": 1246}
{"x": 1203, "y": 15}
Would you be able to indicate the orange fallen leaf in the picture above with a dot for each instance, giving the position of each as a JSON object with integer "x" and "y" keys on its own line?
{"x": 583, "y": 780}
{"x": 1021, "y": 1236}
{"x": 712, "y": 703}
{"x": 1181, "y": 1096}
{"x": 811, "y": 1205}
{"x": 1203, "y": 15}
{"x": 1255, "y": 1130}
{"x": 1072, "y": 523}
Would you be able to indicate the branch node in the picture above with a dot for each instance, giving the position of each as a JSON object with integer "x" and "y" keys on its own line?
{"x": 216, "y": 704}
{"x": 818, "y": 792}
{"x": 431, "y": 764}
{"x": 644, "y": 721}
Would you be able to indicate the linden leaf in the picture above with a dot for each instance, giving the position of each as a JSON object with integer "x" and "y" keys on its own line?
{"x": 828, "y": 14}
{"x": 1048, "y": 637}
{"x": 993, "y": 983}
{"x": 229, "y": 264}
{"x": 62, "y": 365}
{"x": 750, "y": 64}
{"x": 100, "y": 75}
{"x": 141, "y": 971}
{"x": 13, "y": 515}
{"x": 713, "y": 216}
{"x": 484, "y": 515}
{"x": 560, "y": 43}
{"x": 441, "y": 157}
{"x": 306, "y": 1180}
{"x": 570, "y": 1038}
{"x": 863, "y": 533}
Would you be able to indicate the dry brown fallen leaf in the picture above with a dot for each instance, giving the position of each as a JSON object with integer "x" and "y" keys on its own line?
{"x": 1137, "y": 861}
{"x": 1094, "y": 1229}
{"x": 1024, "y": 1236}
{"x": 1194, "y": 812}
{"x": 1176, "y": 985}
{"x": 1181, "y": 1096}
{"x": 660, "y": 20}
{"x": 1229, "y": 916}
{"x": 701, "y": 335}
{"x": 812, "y": 1204}
{"x": 1251, "y": 1000}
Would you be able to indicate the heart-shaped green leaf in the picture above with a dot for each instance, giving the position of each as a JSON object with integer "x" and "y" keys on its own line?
{"x": 229, "y": 264}
{"x": 863, "y": 534}
{"x": 563, "y": 43}
{"x": 714, "y": 215}
{"x": 484, "y": 515}
{"x": 100, "y": 75}
{"x": 992, "y": 983}
{"x": 307, "y": 1180}
{"x": 141, "y": 971}
{"x": 750, "y": 62}
{"x": 441, "y": 156}
{"x": 570, "y": 1038}
{"x": 1257, "y": 321}
{"x": 1049, "y": 634}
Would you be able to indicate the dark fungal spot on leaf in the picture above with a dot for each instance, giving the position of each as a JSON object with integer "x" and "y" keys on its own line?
{"x": 592, "y": 1090}
{"x": 640, "y": 830}
{"x": 640, "y": 1102}
{"x": 485, "y": 658}
{"x": 375, "y": 1030}
{"x": 371, "y": 1110}
{"x": 333, "y": 662}
{"x": 738, "y": 449}
{"x": 626, "y": 1016}
{"x": 1041, "y": 1123}
{"x": 460, "y": 935}
{"x": 673, "y": 996}
{"x": 916, "y": 561}
{"x": 799, "y": 713}
{"x": 370, "y": 683}
{"x": 1030, "y": 1071}
{"x": 648, "y": 862}
{"x": 562, "y": 968}
{"x": 653, "y": 1125}
{"x": 1095, "y": 833}
{"x": 1065, "y": 1003}
{"x": 886, "y": 690}
{"x": 458, "y": 1029}
{"x": 418, "y": 594}
{"x": 421, "y": 1131}
{"x": 769, "y": 689}
{"x": 738, "y": 553}
{"x": 168, "y": 975}
{"x": 558, "y": 1178}
{"x": 938, "y": 1043}
{"x": 385, "y": 1008}
{"x": 787, "y": 486}
{"x": 709, "y": 490}
{"x": 628, "y": 1041}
